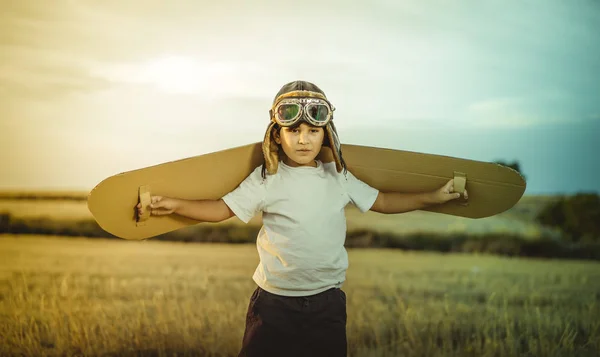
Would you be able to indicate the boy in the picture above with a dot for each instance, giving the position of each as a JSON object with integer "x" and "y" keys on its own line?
{"x": 298, "y": 307}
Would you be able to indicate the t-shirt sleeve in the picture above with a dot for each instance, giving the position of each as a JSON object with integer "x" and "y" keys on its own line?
{"x": 248, "y": 198}
{"x": 361, "y": 195}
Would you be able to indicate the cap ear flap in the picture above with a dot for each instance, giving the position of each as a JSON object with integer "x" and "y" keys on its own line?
{"x": 336, "y": 148}
{"x": 270, "y": 150}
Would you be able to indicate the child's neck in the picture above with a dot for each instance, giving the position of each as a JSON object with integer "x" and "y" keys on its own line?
{"x": 286, "y": 160}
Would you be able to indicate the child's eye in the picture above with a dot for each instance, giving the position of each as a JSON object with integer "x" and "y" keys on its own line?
{"x": 315, "y": 130}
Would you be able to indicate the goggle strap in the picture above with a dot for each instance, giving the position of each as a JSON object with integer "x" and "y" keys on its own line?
{"x": 300, "y": 93}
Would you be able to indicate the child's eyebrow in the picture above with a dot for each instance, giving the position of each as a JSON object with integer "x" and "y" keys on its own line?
{"x": 298, "y": 128}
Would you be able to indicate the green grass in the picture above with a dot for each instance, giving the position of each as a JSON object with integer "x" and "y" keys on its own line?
{"x": 67, "y": 296}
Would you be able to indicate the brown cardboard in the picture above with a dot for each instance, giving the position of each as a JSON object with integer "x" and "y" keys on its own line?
{"x": 492, "y": 188}
{"x": 145, "y": 195}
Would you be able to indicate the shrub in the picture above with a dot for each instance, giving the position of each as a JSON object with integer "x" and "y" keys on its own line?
{"x": 4, "y": 222}
{"x": 496, "y": 244}
{"x": 577, "y": 216}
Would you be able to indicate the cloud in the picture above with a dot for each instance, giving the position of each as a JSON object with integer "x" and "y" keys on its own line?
{"x": 48, "y": 79}
{"x": 594, "y": 116}
{"x": 38, "y": 24}
{"x": 40, "y": 54}
{"x": 546, "y": 107}
{"x": 502, "y": 113}
{"x": 429, "y": 63}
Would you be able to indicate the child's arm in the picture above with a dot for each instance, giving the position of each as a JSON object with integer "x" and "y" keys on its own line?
{"x": 200, "y": 210}
{"x": 396, "y": 202}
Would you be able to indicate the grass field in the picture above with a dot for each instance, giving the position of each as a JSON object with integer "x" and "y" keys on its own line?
{"x": 72, "y": 296}
{"x": 519, "y": 220}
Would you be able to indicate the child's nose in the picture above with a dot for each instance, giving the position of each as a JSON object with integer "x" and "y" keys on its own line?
{"x": 303, "y": 137}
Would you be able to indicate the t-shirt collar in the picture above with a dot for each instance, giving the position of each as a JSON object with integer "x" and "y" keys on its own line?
{"x": 317, "y": 169}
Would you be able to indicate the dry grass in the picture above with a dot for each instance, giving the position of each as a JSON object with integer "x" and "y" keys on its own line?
{"x": 66, "y": 296}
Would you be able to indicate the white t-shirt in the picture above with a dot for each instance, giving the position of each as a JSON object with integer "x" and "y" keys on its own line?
{"x": 301, "y": 242}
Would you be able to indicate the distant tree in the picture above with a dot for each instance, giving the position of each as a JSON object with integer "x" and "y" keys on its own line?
{"x": 4, "y": 222}
{"x": 577, "y": 216}
{"x": 513, "y": 165}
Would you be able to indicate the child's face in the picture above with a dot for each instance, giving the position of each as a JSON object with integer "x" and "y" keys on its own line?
{"x": 301, "y": 145}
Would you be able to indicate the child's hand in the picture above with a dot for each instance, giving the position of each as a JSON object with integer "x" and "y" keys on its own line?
{"x": 446, "y": 193}
{"x": 159, "y": 206}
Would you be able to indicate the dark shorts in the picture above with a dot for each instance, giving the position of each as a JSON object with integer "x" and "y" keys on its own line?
{"x": 295, "y": 326}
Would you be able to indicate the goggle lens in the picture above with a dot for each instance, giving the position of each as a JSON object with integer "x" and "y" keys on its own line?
{"x": 288, "y": 112}
{"x": 318, "y": 112}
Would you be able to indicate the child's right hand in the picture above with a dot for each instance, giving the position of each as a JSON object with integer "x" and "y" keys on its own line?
{"x": 159, "y": 206}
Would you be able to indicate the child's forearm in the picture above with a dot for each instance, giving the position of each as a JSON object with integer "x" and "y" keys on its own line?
{"x": 203, "y": 210}
{"x": 395, "y": 202}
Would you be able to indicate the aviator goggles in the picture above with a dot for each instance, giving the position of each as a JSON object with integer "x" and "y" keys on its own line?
{"x": 316, "y": 111}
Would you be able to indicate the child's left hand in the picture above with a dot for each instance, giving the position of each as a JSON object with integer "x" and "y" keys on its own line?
{"x": 446, "y": 193}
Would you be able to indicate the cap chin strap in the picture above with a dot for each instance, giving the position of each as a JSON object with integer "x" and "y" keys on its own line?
{"x": 270, "y": 150}
{"x": 336, "y": 147}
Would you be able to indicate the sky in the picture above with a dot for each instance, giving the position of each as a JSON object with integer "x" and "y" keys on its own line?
{"x": 89, "y": 89}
